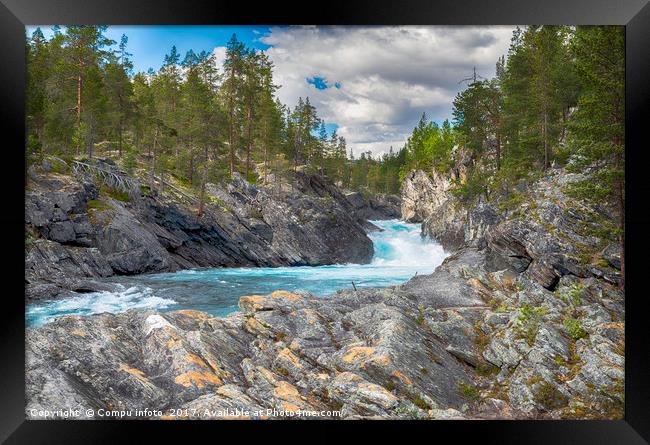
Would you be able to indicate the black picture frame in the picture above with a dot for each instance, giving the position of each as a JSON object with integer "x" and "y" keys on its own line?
{"x": 634, "y": 14}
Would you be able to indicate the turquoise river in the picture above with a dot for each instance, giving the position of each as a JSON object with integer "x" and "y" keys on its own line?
{"x": 400, "y": 252}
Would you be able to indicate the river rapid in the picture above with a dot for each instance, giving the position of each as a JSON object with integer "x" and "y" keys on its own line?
{"x": 400, "y": 253}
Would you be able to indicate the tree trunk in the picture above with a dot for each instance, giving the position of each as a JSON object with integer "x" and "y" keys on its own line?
{"x": 153, "y": 159}
{"x": 232, "y": 146}
{"x": 266, "y": 156}
{"x": 119, "y": 142}
{"x": 621, "y": 211}
{"x": 191, "y": 175}
{"x": 232, "y": 124}
{"x": 620, "y": 198}
{"x": 250, "y": 140}
{"x": 79, "y": 112}
{"x": 120, "y": 125}
{"x": 546, "y": 163}
{"x": 295, "y": 164}
{"x": 498, "y": 136}
{"x": 90, "y": 142}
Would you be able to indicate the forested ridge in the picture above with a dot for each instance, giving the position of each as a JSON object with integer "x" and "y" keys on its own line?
{"x": 191, "y": 118}
{"x": 557, "y": 99}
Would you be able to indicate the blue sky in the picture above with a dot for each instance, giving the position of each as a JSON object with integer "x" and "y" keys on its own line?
{"x": 371, "y": 84}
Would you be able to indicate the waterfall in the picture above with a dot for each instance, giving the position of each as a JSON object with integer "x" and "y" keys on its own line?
{"x": 400, "y": 253}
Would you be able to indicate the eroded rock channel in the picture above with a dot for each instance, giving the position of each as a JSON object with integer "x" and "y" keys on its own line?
{"x": 523, "y": 320}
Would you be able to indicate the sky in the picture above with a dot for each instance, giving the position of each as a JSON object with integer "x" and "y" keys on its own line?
{"x": 371, "y": 84}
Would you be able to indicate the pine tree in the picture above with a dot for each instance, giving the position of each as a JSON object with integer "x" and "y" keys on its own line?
{"x": 537, "y": 88}
{"x": 84, "y": 55}
{"x": 254, "y": 64}
{"x": 270, "y": 115}
{"x": 232, "y": 86}
{"x": 37, "y": 73}
{"x": 119, "y": 91}
{"x": 478, "y": 114}
{"x": 598, "y": 125}
{"x": 165, "y": 86}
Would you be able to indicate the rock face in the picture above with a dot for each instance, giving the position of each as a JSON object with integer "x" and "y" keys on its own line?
{"x": 78, "y": 235}
{"x": 550, "y": 235}
{"x": 547, "y": 234}
{"x": 375, "y": 206}
{"x": 463, "y": 342}
{"x": 364, "y": 353}
{"x": 523, "y": 321}
{"x": 420, "y": 197}
{"x": 428, "y": 200}
{"x": 362, "y": 206}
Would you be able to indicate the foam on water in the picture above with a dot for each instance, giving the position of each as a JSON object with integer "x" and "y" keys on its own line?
{"x": 400, "y": 252}
{"x": 135, "y": 297}
{"x": 401, "y": 245}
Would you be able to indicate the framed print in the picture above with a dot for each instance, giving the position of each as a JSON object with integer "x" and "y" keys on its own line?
{"x": 425, "y": 217}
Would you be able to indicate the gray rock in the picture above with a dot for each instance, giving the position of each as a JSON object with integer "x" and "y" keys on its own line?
{"x": 485, "y": 335}
{"x": 612, "y": 254}
{"x": 246, "y": 226}
{"x": 427, "y": 199}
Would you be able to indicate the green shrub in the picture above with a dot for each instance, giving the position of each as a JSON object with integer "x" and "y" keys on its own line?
{"x": 468, "y": 391}
{"x": 97, "y": 205}
{"x": 219, "y": 202}
{"x": 469, "y": 191}
{"x": 114, "y": 193}
{"x": 575, "y": 292}
{"x": 408, "y": 411}
{"x": 420, "y": 317}
{"x": 513, "y": 201}
{"x": 58, "y": 166}
{"x": 33, "y": 152}
{"x": 485, "y": 369}
{"x": 549, "y": 396}
{"x": 145, "y": 190}
{"x": 481, "y": 339}
{"x": 575, "y": 329}
{"x": 528, "y": 322}
{"x": 420, "y": 403}
{"x": 130, "y": 161}
{"x": 256, "y": 213}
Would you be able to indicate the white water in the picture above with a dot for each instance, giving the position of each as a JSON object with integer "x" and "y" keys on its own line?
{"x": 400, "y": 252}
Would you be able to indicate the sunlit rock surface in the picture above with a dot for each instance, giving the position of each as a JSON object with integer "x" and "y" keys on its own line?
{"x": 525, "y": 320}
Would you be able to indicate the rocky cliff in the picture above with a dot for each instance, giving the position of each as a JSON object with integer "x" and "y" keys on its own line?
{"x": 77, "y": 233}
{"x": 428, "y": 200}
{"x": 523, "y": 321}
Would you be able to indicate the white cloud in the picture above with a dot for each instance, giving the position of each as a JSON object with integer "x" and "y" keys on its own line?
{"x": 219, "y": 54}
{"x": 388, "y": 75}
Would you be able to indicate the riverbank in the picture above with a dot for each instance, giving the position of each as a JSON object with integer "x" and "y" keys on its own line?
{"x": 524, "y": 320}
{"x": 79, "y": 232}
{"x": 400, "y": 253}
